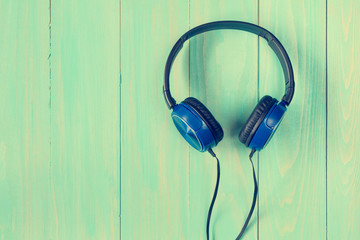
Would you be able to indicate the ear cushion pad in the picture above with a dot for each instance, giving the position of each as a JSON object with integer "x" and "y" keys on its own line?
{"x": 208, "y": 118}
{"x": 255, "y": 119}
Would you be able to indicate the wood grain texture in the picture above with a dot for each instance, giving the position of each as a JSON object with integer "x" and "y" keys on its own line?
{"x": 154, "y": 159}
{"x": 85, "y": 114}
{"x": 223, "y": 76}
{"x": 293, "y": 165}
{"x": 25, "y": 204}
{"x": 88, "y": 149}
{"x": 343, "y": 120}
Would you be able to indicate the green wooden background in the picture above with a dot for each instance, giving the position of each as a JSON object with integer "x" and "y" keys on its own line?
{"x": 88, "y": 149}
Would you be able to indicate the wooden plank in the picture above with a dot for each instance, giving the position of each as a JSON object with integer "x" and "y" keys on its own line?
{"x": 343, "y": 120}
{"x": 293, "y": 166}
{"x": 25, "y": 120}
{"x": 223, "y": 76}
{"x": 154, "y": 158}
{"x": 85, "y": 115}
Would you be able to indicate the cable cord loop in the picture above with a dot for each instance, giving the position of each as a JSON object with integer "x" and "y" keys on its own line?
{"x": 216, "y": 191}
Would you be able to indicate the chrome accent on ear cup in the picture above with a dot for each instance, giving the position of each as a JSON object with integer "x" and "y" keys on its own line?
{"x": 192, "y": 127}
{"x": 188, "y": 133}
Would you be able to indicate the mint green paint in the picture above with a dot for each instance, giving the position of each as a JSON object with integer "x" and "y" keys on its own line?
{"x": 293, "y": 166}
{"x": 154, "y": 162}
{"x": 223, "y": 75}
{"x": 85, "y": 114}
{"x": 74, "y": 132}
{"x": 25, "y": 197}
{"x": 59, "y": 132}
{"x": 343, "y": 120}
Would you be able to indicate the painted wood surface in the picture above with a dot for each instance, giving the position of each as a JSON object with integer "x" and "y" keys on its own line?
{"x": 154, "y": 163}
{"x": 60, "y": 112}
{"x": 85, "y": 119}
{"x": 88, "y": 149}
{"x": 293, "y": 166}
{"x": 223, "y": 76}
{"x": 25, "y": 193}
{"x": 343, "y": 120}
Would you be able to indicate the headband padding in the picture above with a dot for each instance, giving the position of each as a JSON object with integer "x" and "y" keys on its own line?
{"x": 255, "y": 119}
{"x": 208, "y": 118}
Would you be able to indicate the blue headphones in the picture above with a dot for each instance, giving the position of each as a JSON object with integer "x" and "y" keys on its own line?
{"x": 196, "y": 123}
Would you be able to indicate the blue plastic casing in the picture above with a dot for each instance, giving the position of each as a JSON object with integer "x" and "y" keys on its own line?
{"x": 192, "y": 127}
{"x": 268, "y": 126}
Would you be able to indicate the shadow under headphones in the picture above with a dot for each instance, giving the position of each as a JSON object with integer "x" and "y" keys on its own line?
{"x": 196, "y": 123}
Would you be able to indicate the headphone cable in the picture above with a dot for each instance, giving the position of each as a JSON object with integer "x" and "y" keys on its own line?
{"x": 216, "y": 190}
{"x": 254, "y": 198}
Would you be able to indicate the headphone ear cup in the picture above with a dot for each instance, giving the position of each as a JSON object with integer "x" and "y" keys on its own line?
{"x": 255, "y": 119}
{"x": 208, "y": 118}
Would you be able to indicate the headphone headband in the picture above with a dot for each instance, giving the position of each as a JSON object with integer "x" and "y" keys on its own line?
{"x": 273, "y": 42}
